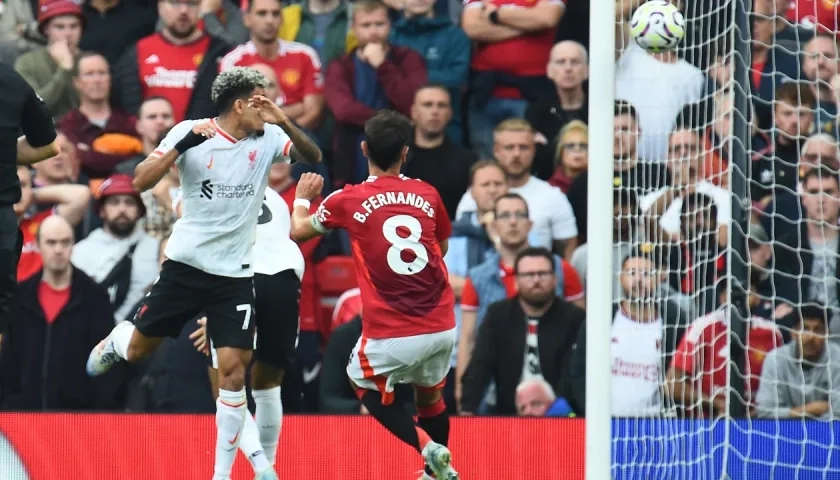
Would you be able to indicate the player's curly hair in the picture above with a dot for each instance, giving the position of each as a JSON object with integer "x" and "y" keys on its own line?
{"x": 235, "y": 84}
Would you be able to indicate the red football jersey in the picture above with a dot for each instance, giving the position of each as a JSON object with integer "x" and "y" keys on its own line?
{"x": 396, "y": 225}
{"x": 30, "y": 258}
{"x": 168, "y": 70}
{"x": 296, "y": 66}
{"x": 703, "y": 352}
{"x": 525, "y": 55}
{"x": 810, "y": 13}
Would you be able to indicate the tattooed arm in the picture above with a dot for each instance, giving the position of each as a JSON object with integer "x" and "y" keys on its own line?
{"x": 304, "y": 149}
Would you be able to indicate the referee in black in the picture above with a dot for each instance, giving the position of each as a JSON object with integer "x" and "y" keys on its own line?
{"x": 21, "y": 111}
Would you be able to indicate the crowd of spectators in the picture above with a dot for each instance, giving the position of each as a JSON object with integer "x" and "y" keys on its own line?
{"x": 497, "y": 91}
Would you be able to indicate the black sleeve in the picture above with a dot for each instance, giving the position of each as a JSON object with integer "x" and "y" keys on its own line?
{"x": 577, "y": 372}
{"x": 36, "y": 122}
{"x": 127, "y": 93}
{"x": 336, "y": 393}
{"x": 483, "y": 362}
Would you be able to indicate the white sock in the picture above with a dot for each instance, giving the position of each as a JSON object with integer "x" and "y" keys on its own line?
{"x": 251, "y": 447}
{"x": 269, "y": 418}
{"x": 231, "y": 409}
{"x": 121, "y": 337}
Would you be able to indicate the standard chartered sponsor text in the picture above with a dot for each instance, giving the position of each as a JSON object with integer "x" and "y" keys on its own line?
{"x": 234, "y": 191}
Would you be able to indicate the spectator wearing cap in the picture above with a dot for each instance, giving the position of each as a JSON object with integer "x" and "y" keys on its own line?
{"x": 50, "y": 69}
{"x": 120, "y": 255}
{"x": 103, "y": 136}
{"x": 646, "y": 330}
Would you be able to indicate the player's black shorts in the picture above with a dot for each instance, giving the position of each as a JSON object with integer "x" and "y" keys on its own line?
{"x": 182, "y": 292}
{"x": 277, "y": 318}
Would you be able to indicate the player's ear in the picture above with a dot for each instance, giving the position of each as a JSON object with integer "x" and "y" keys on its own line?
{"x": 364, "y": 149}
{"x": 404, "y": 153}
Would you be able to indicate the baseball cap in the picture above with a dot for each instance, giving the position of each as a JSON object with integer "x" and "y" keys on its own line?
{"x": 50, "y": 9}
{"x": 119, "y": 184}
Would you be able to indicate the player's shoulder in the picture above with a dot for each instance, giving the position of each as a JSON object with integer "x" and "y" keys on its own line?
{"x": 185, "y": 125}
{"x": 239, "y": 52}
{"x": 415, "y": 185}
{"x": 705, "y": 325}
{"x": 290, "y": 47}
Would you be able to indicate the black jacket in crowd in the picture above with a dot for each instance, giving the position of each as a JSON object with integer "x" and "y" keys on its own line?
{"x": 675, "y": 321}
{"x": 499, "y": 352}
{"x": 547, "y": 117}
{"x": 128, "y": 91}
{"x": 42, "y": 366}
{"x": 793, "y": 259}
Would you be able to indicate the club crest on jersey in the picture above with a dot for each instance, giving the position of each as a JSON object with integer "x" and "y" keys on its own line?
{"x": 198, "y": 58}
{"x": 290, "y": 77}
{"x": 252, "y": 159}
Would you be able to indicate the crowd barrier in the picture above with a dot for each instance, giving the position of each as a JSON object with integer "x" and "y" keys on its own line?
{"x": 155, "y": 447}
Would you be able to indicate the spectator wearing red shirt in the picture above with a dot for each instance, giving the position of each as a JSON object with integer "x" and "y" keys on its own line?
{"x": 70, "y": 202}
{"x": 373, "y": 76}
{"x": 103, "y": 136}
{"x": 494, "y": 279}
{"x": 178, "y": 63}
{"x": 514, "y": 39}
{"x": 697, "y": 377}
{"x": 296, "y": 65}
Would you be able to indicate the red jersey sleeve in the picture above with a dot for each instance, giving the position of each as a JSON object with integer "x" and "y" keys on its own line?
{"x": 329, "y": 214}
{"x": 469, "y": 297}
{"x": 443, "y": 227}
{"x": 572, "y": 286}
{"x": 313, "y": 77}
{"x": 687, "y": 351}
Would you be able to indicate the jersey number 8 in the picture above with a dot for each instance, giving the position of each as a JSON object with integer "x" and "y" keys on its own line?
{"x": 400, "y": 244}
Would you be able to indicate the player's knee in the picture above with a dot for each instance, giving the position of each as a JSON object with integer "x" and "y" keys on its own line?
{"x": 428, "y": 396}
{"x": 231, "y": 371}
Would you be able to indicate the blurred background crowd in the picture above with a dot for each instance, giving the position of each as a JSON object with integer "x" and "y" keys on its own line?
{"x": 497, "y": 91}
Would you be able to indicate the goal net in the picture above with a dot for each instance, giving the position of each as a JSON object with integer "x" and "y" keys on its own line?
{"x": 707, "y": 394}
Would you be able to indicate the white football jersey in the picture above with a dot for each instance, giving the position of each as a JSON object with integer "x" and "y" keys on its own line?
{"x": 222, "y": 185}
{"x": 274, "y": 250}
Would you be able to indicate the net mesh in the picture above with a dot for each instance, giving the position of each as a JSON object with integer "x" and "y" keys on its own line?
{"x": 676, "y": 260}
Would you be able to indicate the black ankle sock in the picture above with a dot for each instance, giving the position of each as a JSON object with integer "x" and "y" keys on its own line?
{"x": 393, "y": 417}
{"x": 437, "y": 427}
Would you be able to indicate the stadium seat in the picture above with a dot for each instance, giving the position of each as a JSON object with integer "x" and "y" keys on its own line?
{"x": 334, "y": 275}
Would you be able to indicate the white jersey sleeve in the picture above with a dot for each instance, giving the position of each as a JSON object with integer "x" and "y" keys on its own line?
{"x": 174, "y": 136}
{"x": 280, "y": 142}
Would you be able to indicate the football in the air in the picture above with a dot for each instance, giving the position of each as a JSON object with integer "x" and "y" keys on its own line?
{"x": 657, "y": 26}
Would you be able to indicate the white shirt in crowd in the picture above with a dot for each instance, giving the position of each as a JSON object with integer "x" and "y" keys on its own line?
{"x": 223, "y": 183}
{"x": 548, "y": 208}
{"x": 274, "y": 250}
{"x": 636, "y": 367}
{"x": 670, "y": 220}
{"x": 98, "y": 254}
{"x": 638, "y": 74}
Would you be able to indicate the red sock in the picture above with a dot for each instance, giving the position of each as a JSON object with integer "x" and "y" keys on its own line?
{"x": 423, "y": 438}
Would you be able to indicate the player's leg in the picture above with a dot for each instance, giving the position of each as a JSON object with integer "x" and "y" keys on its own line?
{"x": 162, "y": 314}
{"x": 432, "y": 416}
{"x": 230, "y": 328}
{"x": 249, "y": 441}
{"x": 277, "y": 320}
{"x": 370, "y": 369}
